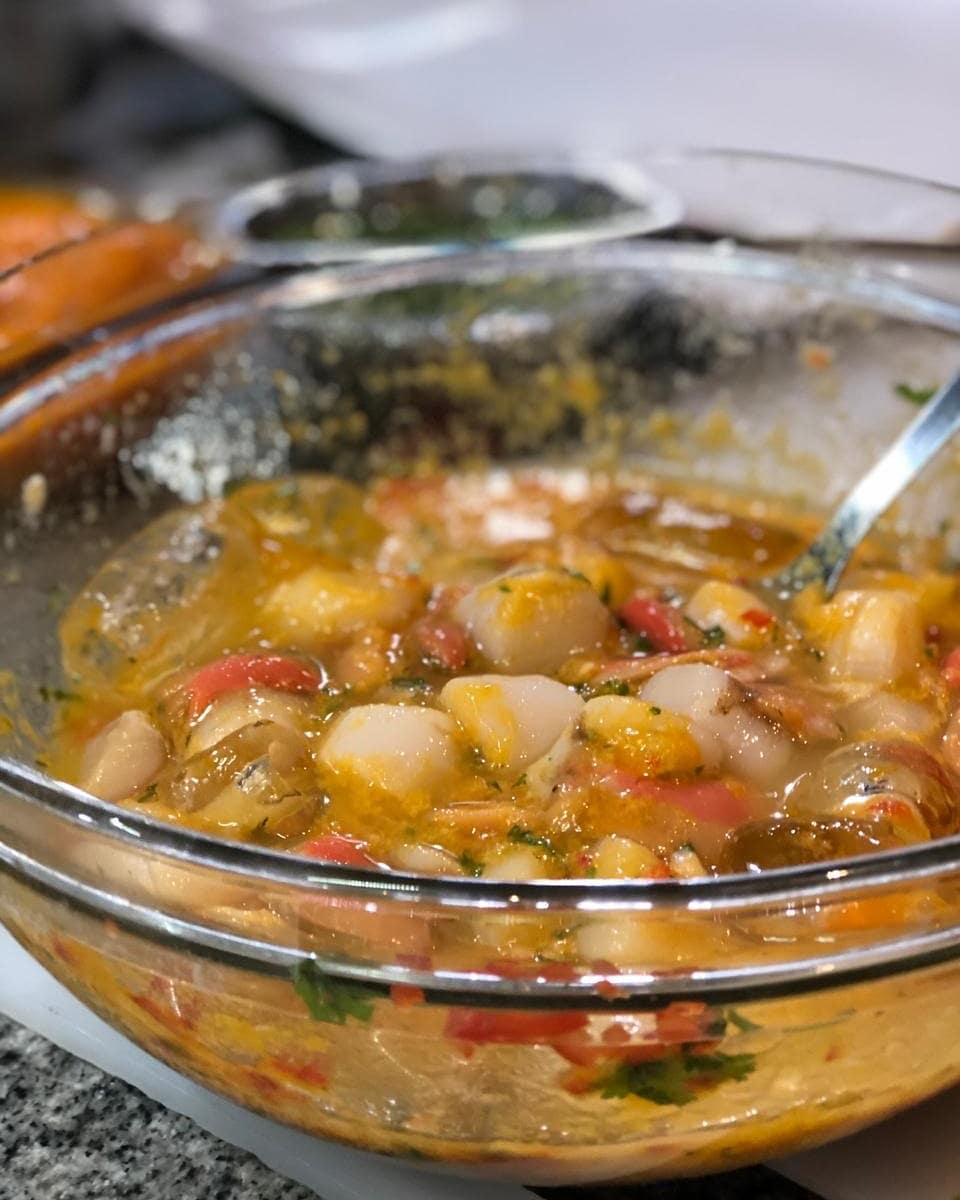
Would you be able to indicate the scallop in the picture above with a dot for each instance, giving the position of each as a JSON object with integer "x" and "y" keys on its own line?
{"x": 511, "y": 719}
{"x": 123, "y": 758}
{"x": 532, "y": 619}
{"x": 323, "y": 603}
{"x": 728, "y": 732}
{"x": 399, "y": 748}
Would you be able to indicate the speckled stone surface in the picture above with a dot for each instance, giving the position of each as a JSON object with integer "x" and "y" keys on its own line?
{"x": 70, "y": 1132}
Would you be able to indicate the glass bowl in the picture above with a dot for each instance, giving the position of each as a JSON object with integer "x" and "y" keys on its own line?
{"x": 355, "y": 211}
{"x": 736, "y": 1018}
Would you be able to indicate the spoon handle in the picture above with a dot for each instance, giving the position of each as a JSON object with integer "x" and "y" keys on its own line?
{"x": 827, "y": 557}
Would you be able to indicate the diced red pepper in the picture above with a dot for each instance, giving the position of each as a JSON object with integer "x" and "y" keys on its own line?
{"x": 759, "y": 618}
{"x": 686, "y": 1022}
{"x": 239, "y": 671}
{"x": 311, "y": 1071}
{"x": 445, "y": 642}
{"x": 404, "y": 995}
{"x": 950, "y": 669}
{"x": 657, "y": 622}
{"x": 513, "y": 968}
{"x": 515, "y": 1026}
{"x": 704, "y": 800}
{"x": 343, "y": 851}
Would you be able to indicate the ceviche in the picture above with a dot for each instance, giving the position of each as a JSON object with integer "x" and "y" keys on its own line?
{"x": 513, "y": 674}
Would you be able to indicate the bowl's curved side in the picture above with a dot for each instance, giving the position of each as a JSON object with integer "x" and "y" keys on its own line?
{"x": 423, "y": 1081}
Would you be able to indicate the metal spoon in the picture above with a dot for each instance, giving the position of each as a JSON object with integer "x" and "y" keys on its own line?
{"x": 825, "y": 560}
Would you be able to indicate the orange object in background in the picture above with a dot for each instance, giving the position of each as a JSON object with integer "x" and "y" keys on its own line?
{"x": 32, "y": 221}
{"x": 100, "y": 270}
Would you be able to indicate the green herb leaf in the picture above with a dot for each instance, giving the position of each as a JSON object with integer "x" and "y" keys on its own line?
{"x": 331, "y": 1000}
{"x": 655, "y": 710}
{"x": 503, "y": 587}
{"x": 714, "y": 636}
{"x": 521, "y": 780}
{"x": 611, "y": 687}
{"x": 492, "y": 783}
{"x": 472, "y": 866}
{"x": 149, "y": 793}
{"x": 642, "y": 644}
{"x": 606, "y": 594}
{"x": 413, "y": 683}
{"x": 57, "y": 598}
{"x": 915, "y": 395}
{"x": 741, "y": 1022}
{"x": 678, "y": 1079}
{"x": 574, "y": 574}
{"x": 526, "y": 837}
{"x": 55, "y": 693}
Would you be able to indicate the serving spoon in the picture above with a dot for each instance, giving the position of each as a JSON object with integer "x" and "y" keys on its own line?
{"x": 826, "y": 558}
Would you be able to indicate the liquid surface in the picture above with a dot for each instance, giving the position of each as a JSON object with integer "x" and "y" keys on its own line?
{"x": 515, "y": 675}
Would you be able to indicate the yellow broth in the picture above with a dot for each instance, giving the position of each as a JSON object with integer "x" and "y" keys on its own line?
{"x": 518, "y": 674}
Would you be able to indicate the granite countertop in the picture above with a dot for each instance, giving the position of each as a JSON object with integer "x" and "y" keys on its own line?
{"x": 68, "y": 1131}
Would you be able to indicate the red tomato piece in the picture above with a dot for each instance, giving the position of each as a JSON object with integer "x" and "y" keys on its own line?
{"x": 515, "y": 1026}
{"x": 950, "y": 669}
{"x": 687, "y": 1021}
{"x": 343, "y": 851}
{"x": 585, "y": 1053}
{"x": 404, "y": 995}
{"x": 657, "y": 622}
{"x": 444, "y": 641}
{"x": 759, "y": 618}
{"x": 239, "y": 671}
{"x": 709, "y": 800}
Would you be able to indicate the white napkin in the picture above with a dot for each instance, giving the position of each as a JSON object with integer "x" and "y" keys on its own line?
{"x": 912, "y": 1157}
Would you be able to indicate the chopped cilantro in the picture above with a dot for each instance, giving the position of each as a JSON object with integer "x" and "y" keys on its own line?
{"x": 611, "y": 687}
{"x": 606, "y": 594}
{"x": 677, "y": 1079}
{"x": 741, "y": 1022}
{"x": 574, "y": 574}
{"x": 413, "y": 683}
{"x": 642, "y": 644}
{"x": 472, "y": 866}
{"x": 331, "y": 1000}
{"x": 915, "y": 395}
{"x": 526, "y": 837}
{"x": 714, "y": 636}
{"x": 54, "y": 693}
{"x": 503, "y": 587}
{"x": 149, "y": 793}
{"x": 492, "y": 783}
{"x": 521, "y": 780}
{"x": 655, "y": 710}
{"x": 57, "y": 597}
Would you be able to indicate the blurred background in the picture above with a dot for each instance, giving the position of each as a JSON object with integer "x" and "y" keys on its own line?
{"x": 194, "y": 94}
